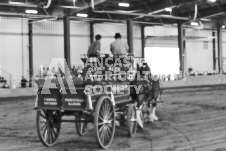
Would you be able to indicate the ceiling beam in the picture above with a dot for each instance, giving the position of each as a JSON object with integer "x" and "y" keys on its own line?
{"x": 207, "y": 12}
{"x": 160, "y": 5}
{"x": 19, "y": 5}
{"x": 96, "y": 2}
{"x": 212, "y": 11}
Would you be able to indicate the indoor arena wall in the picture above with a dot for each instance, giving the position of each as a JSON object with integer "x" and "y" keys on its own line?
{"x": 13, "y": 48}
{"x": 199, "y": 52}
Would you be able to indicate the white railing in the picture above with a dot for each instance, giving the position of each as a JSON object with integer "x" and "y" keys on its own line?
{"x": 9, "y": 78}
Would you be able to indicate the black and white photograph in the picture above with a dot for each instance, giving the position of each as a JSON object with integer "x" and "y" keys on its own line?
{"x": 114, "y": 75}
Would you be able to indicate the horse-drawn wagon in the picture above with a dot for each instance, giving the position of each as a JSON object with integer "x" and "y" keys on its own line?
{"x": 98, "y": 98}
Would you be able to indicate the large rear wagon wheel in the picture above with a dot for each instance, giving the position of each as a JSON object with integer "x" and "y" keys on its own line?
{"x": 104, "y": 122}
{"x": 48, "y": 125}
{"x": 132, "y": 120}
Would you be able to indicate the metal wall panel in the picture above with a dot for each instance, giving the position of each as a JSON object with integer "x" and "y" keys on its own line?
{"x": 13, "y": 47}
{"x": 48, "y": 43}
{"x": 198, "y": 56}
{"x": 80, "y": 41}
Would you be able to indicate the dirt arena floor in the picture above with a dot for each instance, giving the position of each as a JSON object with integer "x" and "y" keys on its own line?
{"x": 190, "y": 119}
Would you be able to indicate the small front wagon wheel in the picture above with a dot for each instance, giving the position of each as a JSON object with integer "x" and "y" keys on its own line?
{"x": 104, "y": 122}
{"x": 48, "y": 125}
{"x": 81, "y": 127}
{"x": 131, "y": 120}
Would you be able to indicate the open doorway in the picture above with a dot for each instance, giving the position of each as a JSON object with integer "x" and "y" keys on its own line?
{"x": 163, "y": 60}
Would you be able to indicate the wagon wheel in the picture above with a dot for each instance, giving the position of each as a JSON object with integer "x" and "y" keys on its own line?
{"x": 48, "y": 126}
{"x": 81, "y": 127}
{"x": 132, "y": 120}
{"x": 104, "y": 122}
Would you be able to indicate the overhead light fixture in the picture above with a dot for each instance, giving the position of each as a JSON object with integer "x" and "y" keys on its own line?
{"x": 223, "y": 26}
{"x": 194, "y": 23}
{"x": 15, "y": 3}
{"x": 168, "y": 9}
{"x": 212, "y": 1}
{"x": 123, "y": 4}
{"x": 29, "y": 11}
{"x": 82, "y": 15}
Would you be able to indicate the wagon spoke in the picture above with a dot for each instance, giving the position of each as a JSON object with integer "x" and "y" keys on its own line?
{"x": 106, "y": 108}
{"x": 54, "y": 132}
{"x": 103, "y": 110}
{"x": 110, "y": 113}
{"x": 103, "y": 134}
{"x": 45, "y": 133}
{"x": 45, "y": 112}
{"x": 44, "y": 126}
{"x": 43, "y": 116}
{"x": 101, "y": 123}
{"x": 100, "y": 130}
{"x": 101, "y": 113}
{"x": 43, "y": 121}
{"x": 51, "y": 134}
{"x": 101, "y": 118}
{"x": 108, "y": 133}
{"x": 48, "y": 134}
{"x": 109, "y": 124}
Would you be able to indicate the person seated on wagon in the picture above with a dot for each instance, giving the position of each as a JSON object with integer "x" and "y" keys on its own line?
{"x": 94, "y": 48}
{"x": 119, "y": 48}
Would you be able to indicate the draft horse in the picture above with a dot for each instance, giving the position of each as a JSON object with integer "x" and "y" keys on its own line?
{"x": 147, "y": 94}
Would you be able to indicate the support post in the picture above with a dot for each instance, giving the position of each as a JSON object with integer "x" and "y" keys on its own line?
{"x": 214, "y": 50}
{"x": 91, "y": 32}
{"x": 180, "y": 45}
{"x": 219, "y": 44}
{"x": 67, "y": 54}
{"x": 184, "y": 53}
{"x": 30, "y": 53}
{"x": 142, "y": 40}
{"x": 130, "y": 35}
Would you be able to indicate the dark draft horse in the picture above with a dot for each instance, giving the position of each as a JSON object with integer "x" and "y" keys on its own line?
{"x": 147, "y": 96}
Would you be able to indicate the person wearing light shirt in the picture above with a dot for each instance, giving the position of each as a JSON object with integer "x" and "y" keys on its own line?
{"x": 118, "y": 47}
{"x": 94, "y": 48}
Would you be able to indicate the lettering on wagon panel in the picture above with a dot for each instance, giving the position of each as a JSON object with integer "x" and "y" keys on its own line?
{"x": 50, "y": 101}
{"x": 74, "y": 102}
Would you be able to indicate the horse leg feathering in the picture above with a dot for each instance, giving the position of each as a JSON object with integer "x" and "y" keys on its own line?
{"x": 152, "y": 115}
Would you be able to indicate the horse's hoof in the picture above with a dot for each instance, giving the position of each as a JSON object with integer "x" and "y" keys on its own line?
{"x": 155, "y": 118}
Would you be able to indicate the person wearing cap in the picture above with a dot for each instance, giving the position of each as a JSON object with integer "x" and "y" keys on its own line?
{"x": 118, "y": 47}
{"x": 94, "y": 48}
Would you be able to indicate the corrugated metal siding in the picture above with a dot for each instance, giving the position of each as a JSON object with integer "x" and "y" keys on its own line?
{"x": 80, "y": 41}
{"x": 198, "y": 57}
{"x": 13, "y": 46}
{"x": 48, "y": 43}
